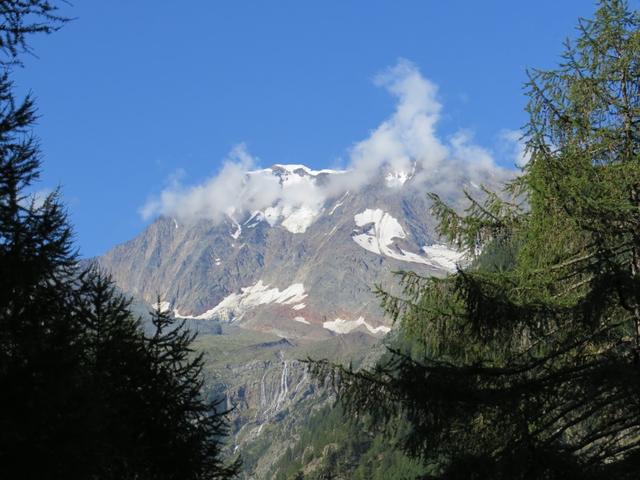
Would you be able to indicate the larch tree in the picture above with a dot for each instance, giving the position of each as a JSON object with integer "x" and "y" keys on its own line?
{"x": 525, "y": 364}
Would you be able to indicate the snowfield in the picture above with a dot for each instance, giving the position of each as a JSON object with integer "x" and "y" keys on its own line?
{"x": 234, "y": 306}
{"x": 384, "y": 228}
{"x": 444, "y": 256}
{"x": 341, "y": 326}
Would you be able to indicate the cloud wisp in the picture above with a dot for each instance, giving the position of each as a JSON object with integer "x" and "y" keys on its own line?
{"x": 516, "y": 147}
{"x": 406, "y": 143}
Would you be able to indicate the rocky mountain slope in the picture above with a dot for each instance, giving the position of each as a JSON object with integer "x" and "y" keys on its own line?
{"x": 268, "y": 388}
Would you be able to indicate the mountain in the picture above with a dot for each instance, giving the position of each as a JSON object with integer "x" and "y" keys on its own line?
{"x": 292, "y": 270}
{"x": 270, "y": 286}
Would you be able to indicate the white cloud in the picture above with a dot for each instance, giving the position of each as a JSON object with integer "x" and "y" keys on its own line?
{"x": 235, "y": 190}
{"x": 407, "y": 136}
{"x": 408, "y": 139}
{"x": 515, "y": 146}
{"x": 225, "y": 193}
{"x": 405, "y": 142}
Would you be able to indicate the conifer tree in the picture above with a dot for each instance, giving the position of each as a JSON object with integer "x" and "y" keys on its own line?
{"x": 37, "y": 332}
{"x": 187, "y": 430}
{"x": 526, "y": 363}
{"x": 83, "y": 392}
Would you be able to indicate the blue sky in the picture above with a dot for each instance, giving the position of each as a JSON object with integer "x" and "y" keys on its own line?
{"x": 132, "y": 92}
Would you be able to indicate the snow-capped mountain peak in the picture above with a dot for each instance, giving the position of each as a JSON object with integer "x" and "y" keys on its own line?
{"x": 251, "y": 267}
{"x": 296, "y": 209}
{"x": 300, "y": 169}
{"x": 395, "y": 177}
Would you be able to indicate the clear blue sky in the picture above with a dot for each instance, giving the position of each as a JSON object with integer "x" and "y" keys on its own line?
{"x": 131, "y": 91}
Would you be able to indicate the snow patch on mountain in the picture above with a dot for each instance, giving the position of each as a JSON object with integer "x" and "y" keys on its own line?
{"x": 444, "y": 256}
{"x": 238, "y": 229}
{"x": 339, "y": 203}
{"x": 385, "y": 229}
{"x": 301, "y": 320}
{"x": 294, "y": 219}
{"x": 255, "y": 218}
{"x": 342, "y": 326}
{"x": 234, "y": 306}
{"x": 380, "y": 230}
{"x": 295, "y": 168}
{"x": 368, "y": 242}
{"x": 300, "y": 219}
{"x": 396, "y": 179}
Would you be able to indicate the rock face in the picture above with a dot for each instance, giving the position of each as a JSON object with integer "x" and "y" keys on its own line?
{"x": 291, "y": 270}
{"x": 268, "y": 388}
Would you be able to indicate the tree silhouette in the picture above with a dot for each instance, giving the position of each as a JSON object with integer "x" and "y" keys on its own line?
{"x": 83, "y": 392}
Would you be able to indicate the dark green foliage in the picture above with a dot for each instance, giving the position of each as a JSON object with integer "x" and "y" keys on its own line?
{"x": 330, "y": 447}
{"x": 83, "y": 392}
{"x": 526, "y": 365}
